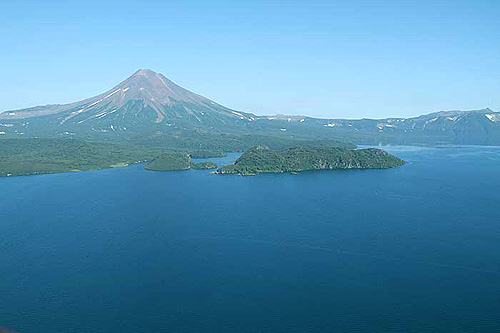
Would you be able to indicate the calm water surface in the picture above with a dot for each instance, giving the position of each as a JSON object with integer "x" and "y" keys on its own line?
{"x": 411, "y": 249}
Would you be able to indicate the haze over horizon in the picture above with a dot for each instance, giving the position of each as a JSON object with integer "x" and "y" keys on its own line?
{"x": 328, "y": 60}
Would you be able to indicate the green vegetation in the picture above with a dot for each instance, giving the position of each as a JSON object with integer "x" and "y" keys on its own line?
{"x": 38, "y": 156}
{"x": 203, "y": 144}
{"x": 203, "y": 165}
{"x": 207, "y": 153}
{"x": 173, "y": 161}
{"x": 20, "y": 157}
{"x": 263, "y": 159}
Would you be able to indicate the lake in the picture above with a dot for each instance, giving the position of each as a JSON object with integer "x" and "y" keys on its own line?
{"x": 410, "y": 249}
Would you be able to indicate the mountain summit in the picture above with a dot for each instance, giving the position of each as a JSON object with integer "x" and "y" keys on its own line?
{"x": 144, "y": 98}
{"x": 156, "y": 92}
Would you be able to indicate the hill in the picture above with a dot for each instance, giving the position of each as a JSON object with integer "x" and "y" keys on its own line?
{"x": 263, "y": 160}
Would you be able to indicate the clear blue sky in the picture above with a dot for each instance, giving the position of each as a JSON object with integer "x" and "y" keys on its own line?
{"x": 327, "y": 59}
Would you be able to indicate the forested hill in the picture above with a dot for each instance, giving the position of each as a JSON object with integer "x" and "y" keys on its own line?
{"x": 262, "y": 159}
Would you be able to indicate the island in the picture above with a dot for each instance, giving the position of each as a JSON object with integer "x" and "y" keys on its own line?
{"x": 262, "y": 159}
{"x": 176, "y": 161}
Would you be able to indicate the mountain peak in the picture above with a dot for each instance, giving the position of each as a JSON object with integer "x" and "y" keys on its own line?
{"x": 145, "y": 73}
{"x": 154, "y": 89}
{"x": 144, "y": 96}
{"x": 142, "y": 71}
{"x": 147, "y": 77}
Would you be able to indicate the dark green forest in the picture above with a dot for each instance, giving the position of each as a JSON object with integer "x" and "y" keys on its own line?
{"x": 263, "y": 159}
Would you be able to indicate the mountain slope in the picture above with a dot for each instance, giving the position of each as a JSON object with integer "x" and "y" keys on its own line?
{"x": 149, "y": 108}
{"x": 145, "y": 102}
{"x": 478, "y": 127}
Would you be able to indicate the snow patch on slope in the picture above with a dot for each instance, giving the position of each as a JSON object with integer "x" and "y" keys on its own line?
{"x": 493, "y": 117}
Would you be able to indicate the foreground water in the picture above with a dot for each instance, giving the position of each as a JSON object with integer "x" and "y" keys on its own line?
{"x": 411, "y": 249}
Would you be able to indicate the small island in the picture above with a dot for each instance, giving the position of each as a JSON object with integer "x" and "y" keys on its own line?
{"x": 176, "y": 161}
{"x": 262, "y": 159}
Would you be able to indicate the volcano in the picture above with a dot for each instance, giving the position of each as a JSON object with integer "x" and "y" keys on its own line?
{"x": 145, "y": 99}
{"x": 148, "y": 107}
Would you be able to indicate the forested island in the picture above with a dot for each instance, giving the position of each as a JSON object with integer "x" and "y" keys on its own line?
{"x": 174, "y": 161}
{"x": 262, "y": 159}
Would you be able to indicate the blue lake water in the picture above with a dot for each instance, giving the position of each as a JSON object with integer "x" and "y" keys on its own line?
{"x": 411, "y": 249}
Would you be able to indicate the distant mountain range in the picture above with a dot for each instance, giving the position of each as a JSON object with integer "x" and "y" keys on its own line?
{"x": 148, "y": 106}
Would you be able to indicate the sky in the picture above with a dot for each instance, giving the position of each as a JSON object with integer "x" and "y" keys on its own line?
{"x": 328, "y": 59}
